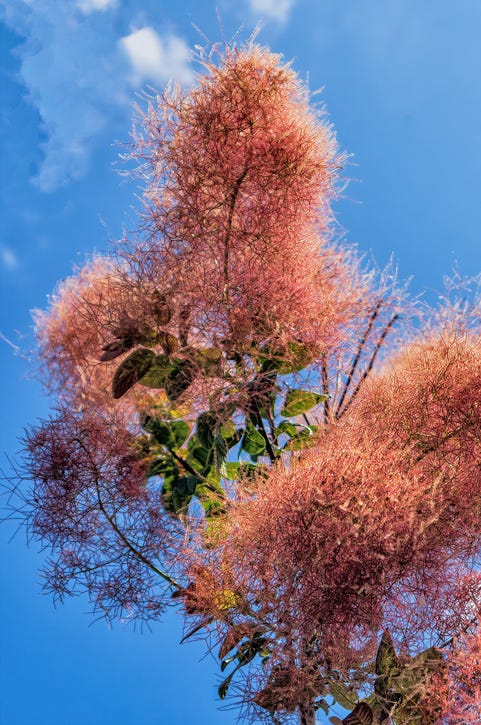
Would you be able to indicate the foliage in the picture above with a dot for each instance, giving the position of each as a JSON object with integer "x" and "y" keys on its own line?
{"x": 226, "y": 438}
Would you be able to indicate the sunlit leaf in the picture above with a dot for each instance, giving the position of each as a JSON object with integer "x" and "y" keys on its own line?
{"x": 386, "y": 668}
{"x": 297, "y": 356}
{"x": 303, "y": 439}
{"x": 168, "y": 343}
{"x": 156, "y": 376}
{"x": 412, "y": 686}
{"x": 386, "y": 659}
{"x": 226, "y": 599}
{"x": 287, "y": 428}
{"x": 228, "y": 429}
{"x": 342, "y": 694}
{"x": 254, "y": 442}
{"x": 300, "y": 401}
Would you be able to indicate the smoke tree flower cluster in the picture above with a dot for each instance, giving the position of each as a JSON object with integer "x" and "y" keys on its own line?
{"x": 246, "y": 427}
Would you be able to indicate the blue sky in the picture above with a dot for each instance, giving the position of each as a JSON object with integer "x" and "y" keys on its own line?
{"x": 402, "y": 85}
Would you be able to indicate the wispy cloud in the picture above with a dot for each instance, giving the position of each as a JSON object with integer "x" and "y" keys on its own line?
{"x": 90, "y": 6}
{"x": 80, "y": 74}
{"x": 155, "y": 58}
{"x": 8, "y": 258}
{"x": 275, "y": 9}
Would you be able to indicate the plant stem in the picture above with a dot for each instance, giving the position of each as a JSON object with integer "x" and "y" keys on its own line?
{"x": 232, "y": 203}
{"x": 357, "y": 357}
{"x": 369, "y": 366}
{"x": 111, "y": 520}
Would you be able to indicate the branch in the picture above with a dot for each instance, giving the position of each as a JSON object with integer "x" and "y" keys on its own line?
{"x": 357, "y": 357}
{"x": 192, "y": 471}
{"x": 325, "y": 388}
{"x": 138, "y": 554}
{"x": 369, "y": 367}
{"x": 232, "y": 203}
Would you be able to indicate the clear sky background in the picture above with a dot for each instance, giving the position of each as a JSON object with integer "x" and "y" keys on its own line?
{"x": 402, "y": 85}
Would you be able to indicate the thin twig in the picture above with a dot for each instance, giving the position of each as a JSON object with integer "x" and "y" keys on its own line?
{"x": 370, "y": 365}
{"x": 232, "y": 203}
{"x": 357, "y": 357}
{"x": 138, "y": 554}
{"x": 325, "y": 388}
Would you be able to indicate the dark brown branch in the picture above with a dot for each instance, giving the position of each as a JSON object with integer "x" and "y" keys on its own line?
{"x": 232, "y": 203}
{"x": 370, "y": 365}
{"x": 192, "y": 471}
{"x": 138, "y": 555}
{"x": 357, "y": 357}
{"x": 325, "y": 388}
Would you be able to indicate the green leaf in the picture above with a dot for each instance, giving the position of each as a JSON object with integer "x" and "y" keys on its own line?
{"x": 224, "y": 686}
{"x": 207, "y": 429}
{"x": 226, "y": 662}
{"x": 161, "y": 432}
{"x": 387, "y": 667}
{"x": 342, "y": 694}
{"x": 180, "y": 430}
{"x": 198, "y": 456}
{"x": 177, "y": 492}
{"x": 234, "y": 471}
{"x": 209, "y": 435}
{"x": 233, "y": 440}
{"x": 296, "y": 357}
{"x": 304, "y": 439}
{"x": 159, "y": 467}
{"x": 300, "y": 401}
{"x": 386, "y": 659}
{"x": 168, "y": 343}
{"x": 212, "y": 502}
{"x": 181, "y": 375}
{"x": 209, "y": 359}
{"x": 286, "y": 427}
{"x": 157, "y": 374}
{"x": 231, "y": 470}
{"x": 228, "y": 429}
{"x": 254, "y": 442}
{"x": 412, "y": 686}
{"x": 131, "y": 370}
{"x": 185, "y": 486}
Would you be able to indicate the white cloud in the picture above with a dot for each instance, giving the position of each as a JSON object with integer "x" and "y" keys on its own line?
{"x": 8, "y": 258}
{"x": 157, "y": 59}
{"x": 276, "y": 9}
{"x": 77, "y": 76}
{"x": 90, "y": 6}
